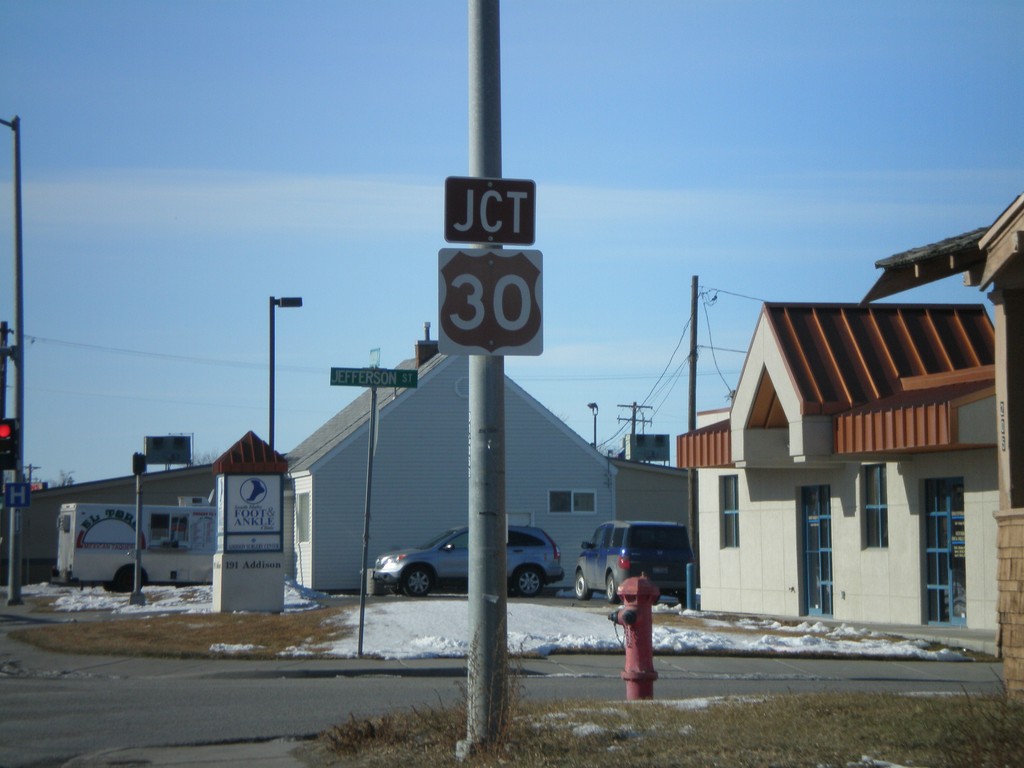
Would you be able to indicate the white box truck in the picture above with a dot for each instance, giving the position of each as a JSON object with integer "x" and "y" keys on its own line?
{"x": 96, "y": 545}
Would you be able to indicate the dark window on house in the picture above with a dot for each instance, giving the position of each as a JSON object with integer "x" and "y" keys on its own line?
{"x": 876, "y": 507}
{"x": 572, "y": 502}
{"x": 303, "y": 521}
{"x": 560, "y": 501}
{"x": 730, "y": 511}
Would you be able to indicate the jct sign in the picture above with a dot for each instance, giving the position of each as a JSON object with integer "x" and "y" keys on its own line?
{"x": 490, "y": 302}
{"x": 489, "y": 211}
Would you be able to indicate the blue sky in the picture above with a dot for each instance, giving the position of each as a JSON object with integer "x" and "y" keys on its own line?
{"x": 183, "y": 161}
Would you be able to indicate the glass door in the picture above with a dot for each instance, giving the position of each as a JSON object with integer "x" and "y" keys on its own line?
{"x": 816, "y": 516}
{"x": 945, "y": 541}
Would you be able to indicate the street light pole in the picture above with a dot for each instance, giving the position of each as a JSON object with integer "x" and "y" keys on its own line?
{"x": 593, "y": 408}
{"x": 288, "y": 301}
{"x": 18, "y": 356}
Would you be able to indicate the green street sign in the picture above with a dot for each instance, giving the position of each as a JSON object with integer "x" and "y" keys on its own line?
{"x": 374, "y": 377}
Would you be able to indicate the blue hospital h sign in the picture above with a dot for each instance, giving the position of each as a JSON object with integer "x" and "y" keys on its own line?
{"x": 17, "y": 495}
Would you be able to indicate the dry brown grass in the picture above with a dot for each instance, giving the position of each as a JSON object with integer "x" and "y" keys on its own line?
{"x": 794, "y": 730}
{"x": 190, "y": 635}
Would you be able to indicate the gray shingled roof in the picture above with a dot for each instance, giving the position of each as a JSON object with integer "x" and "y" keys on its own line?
{"x": 349, "y": 419}
{"x": 965, "y": 244}
{"x": 926, "y": 264}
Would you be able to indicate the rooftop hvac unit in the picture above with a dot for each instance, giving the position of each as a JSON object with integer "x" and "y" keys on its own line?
{"x": 646, "y": 447}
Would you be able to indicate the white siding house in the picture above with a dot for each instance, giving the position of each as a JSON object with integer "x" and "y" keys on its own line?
{"x": 855, "y": 475}
{"x": 420, "y": 474}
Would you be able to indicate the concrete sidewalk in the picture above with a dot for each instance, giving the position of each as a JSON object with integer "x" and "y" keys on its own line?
{"x": 953, "y": 637}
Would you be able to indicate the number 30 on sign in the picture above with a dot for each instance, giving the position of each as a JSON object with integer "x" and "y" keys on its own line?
{"x": 490, "y": 302}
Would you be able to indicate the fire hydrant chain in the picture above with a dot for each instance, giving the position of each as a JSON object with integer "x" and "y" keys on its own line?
{"x": 638, "y": 595}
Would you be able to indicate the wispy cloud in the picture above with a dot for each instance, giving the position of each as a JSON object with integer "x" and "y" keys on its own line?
{"x": 155, "y": 201}
{"x": 208, "y": 201}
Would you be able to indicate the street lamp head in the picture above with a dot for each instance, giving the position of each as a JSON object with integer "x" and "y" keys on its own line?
{"x": 592, "y": 406}
{"x": 287, "y": 301}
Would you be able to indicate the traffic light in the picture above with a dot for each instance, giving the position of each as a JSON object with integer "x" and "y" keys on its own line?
{"x": 8, "y": 444}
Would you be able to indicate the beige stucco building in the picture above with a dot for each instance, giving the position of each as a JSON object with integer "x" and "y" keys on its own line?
{"x": 855, "y": 475}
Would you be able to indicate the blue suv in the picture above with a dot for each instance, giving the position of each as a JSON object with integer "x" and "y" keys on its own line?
{"x": 624, "y": 548}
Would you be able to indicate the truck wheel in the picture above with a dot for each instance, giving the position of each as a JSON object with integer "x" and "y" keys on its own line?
{"x": 583, "y": 592}
{"x": 417, "y": 581}
{"x": 527, "y": 582}
{"x": 124, "y": 579}
{"x": 610, "y": 590}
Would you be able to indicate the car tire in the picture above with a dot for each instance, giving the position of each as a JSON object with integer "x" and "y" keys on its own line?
{"x": 610, "y": 588}
{"x": 417, "y": 581}
{"x": 583, "y": 592}
{"x": 527, "y": 582}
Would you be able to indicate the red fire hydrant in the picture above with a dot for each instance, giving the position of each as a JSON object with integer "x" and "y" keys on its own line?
{"x": 638, "y": 594}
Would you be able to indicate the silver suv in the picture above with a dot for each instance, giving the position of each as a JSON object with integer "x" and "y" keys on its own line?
{"x": 623, "y": 548}
{"x": 534, "y": 561}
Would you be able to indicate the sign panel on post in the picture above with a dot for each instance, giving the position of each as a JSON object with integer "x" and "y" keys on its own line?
{"x": 490, "y": 302}
{"x": 17, "y": 495}
{"x": 249, "y": 519}
{"x": 406, "y": 378}
{"x": 489, "y": 211}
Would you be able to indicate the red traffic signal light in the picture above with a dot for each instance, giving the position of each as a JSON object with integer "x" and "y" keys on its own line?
{"x": 8, "y": 444}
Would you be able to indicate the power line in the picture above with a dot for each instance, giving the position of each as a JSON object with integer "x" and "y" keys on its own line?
{"x": 306, "y": 369}
{"x": 728, "y": 388}
{"x": 166, "y": 356}
{"x": 730, "y": 293}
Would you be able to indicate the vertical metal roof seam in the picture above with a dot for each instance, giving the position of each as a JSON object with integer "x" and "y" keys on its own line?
{"x": 911, "y": 346}
{"x": 879, "y": 343}
{"x": 859, "y": 351}
{"x": 940, "y": 344}
{"x": 804, "y": 360}
{"x": 965, "y": 339}
{"x": 831, "y": 355}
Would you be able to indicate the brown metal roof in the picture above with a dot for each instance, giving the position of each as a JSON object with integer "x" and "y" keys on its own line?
{"x": 916, "y": 420}
{"x": 892, "y": 376}
{"x": 840, "y": 356}
{"x": 250, "y": 455}
{"x": 709, "y": 446}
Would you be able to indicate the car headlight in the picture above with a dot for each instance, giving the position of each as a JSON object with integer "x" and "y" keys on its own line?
{"x": 385, "y": 560}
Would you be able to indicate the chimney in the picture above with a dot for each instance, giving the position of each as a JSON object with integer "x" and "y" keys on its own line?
{"x": 426, "y": 348}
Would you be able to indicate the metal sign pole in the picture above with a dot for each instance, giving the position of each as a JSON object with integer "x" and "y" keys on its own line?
{"x": 18, "y": 357}
{"x": 138, "y": 467}
{"x": 371, "y": 439}
{"x": 488, "y": 631}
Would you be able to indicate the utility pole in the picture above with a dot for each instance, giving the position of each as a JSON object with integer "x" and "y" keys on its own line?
{"x": 18, "y": 356}
{"x": 4, "y": 354}
{"x": 692, "y": 512}
{"x": 632, "y": 418}
{"x": 487, "y": 661}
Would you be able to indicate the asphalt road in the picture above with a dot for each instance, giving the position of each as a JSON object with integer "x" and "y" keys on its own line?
{"x": 54, "y": 707}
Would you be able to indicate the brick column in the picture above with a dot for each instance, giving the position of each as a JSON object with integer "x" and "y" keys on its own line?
{"x": 1010, "y": 606}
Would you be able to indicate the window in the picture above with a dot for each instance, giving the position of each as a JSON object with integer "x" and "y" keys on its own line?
{"x": 303, "y": 523}
{"x": 876, "y": 508}
{"x": 521, "y": 539}
{"x": 730, "y": 499}
{"x": 168, "y": 530}
{"x": 457, "y": 542}
{"x": 572, "y": 502}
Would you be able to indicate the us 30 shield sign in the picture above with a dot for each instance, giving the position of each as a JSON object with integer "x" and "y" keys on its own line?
{"x": 490, "y": 302}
